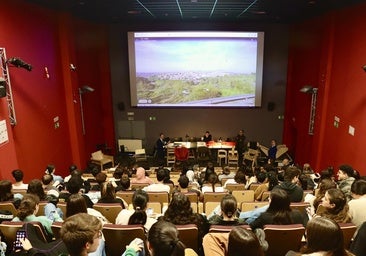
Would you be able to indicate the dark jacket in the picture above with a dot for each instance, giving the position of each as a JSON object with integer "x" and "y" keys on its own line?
{"x": 266, "y": 218}
{"x": 294, "y": 191}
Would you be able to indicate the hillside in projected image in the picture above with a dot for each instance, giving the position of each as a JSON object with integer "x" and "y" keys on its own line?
{"x": 195, "y": 88}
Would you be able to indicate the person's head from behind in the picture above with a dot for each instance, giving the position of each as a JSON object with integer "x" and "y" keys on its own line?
{"x": 50, "y": 169}
{"x": 81, "y": 233}
{"x": 101, "y": 177}
{"x": 291, "y": 174}
{"x": 261, "y": 177}
{"x": 228, "y": 206}
{"x": 325, "y": 185}
{"x": 73, "y": 168}
{"x": 75, "y": 204}
{"x": 279, "y": 201}
{"x": 324, "y": 235}
{"x": 28, "y": 206}
{"x": 358, "y": 188}
{"x": 183, "y": 181}
{"x": 36, "y": 187}
{"x": 108, "y": 191}
{"x": 47, "y": 179}
{"x": 179, "y": 208}
{"x": 140, "y": 173}
{"x": 139, "y": 201}
{"x": 5, "y": 190}
{"x": 240, "y": 177}
{"x": 163, "y": 240}
{"x": 160, "y": 175}
{"x": 74, "y": 185}
{"x": 243, "y": 240}
{"x": 17, "y": 175}
{"x": 125, "y": 182}
{"x": 226, "y": 170}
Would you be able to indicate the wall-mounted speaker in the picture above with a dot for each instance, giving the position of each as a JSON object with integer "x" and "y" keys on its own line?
{"x": 271, "y": 106}
{"x": 2, "y": 91}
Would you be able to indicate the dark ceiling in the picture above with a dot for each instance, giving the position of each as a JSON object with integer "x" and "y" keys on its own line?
{"x": 238, "y": 11}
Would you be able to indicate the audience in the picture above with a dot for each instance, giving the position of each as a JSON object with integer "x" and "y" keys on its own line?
{"x": 141, "y": 177}
{"x": 335, "y": 206}
{"x": 268, "y": 183}
{"x": 51, "y": 169}
{"x": 162, "y": 241}
{"x": 278, "y": 212}
{"x": 324, "y": 238}
{"x": 140, "y": 199}
{"x": 291, "y": 177}
{"x": 228, "y": 216}
{"x": 357, "y": 205}
{"x": 81, "y": 234}
{"x": 345, "y": 180}
{"x": 243, "y": 240}
{"x": 159, "y": 186}
{"x": 108, "y": 195}
{"x": 18, "y": 176}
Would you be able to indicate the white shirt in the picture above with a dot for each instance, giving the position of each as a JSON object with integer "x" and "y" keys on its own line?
{"x": 157, "y": 187}
{"x": 124, "y": 216}
{"x": 357, "y": 210}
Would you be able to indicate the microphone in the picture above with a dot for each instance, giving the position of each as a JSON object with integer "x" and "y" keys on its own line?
{"x": 19, "y": 63}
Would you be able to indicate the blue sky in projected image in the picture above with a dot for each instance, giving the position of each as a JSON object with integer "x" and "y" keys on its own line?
{"x": 197, "y": 55}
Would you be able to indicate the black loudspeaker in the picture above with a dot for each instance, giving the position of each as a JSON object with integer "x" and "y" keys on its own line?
{"x": 2, "y": 91}
{"x": 271, "y": 106}
{"x": 121, "y": 106}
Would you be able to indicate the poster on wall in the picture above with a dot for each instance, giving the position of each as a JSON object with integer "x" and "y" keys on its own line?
{"x": 4, "y": 138}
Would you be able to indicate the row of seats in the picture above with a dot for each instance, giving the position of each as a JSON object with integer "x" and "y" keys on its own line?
{"x": 281, "y": 238}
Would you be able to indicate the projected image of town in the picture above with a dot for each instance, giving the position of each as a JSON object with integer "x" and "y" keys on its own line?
{"x": 196, "y": 71}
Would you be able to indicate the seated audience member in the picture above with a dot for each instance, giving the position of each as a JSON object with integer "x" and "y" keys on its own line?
{"x": 212, "y": 185}
{"x": 167, "y": 179}
{"x": 226, "y": 173}
{"x": 72, "y": 168}
{"x": 324, "y": 238}
{"x": 315, "y": 200}
{"x": 81, "y": 234}
{"x": 100, "y": 179}
{"x": 279, "y": 211}
{"x": 228, "y": 216}
{"x": 74, "y": 187}
{"x": 159, "y": 186}
{"x": 335, "y": 206}
{"x": 269, "y": 182}
{"x": 7, "y": 196}
{"x": 357, "y": 205}
{"x": 51, "y": 169}
{"x": 239, "y": 241}
{"x": 138, "y": 216}
{"x": 141, "y": 177}
{"x": 239, "y": 178}
{"x": 250, "y": 178}
{"x": 345, "y": 180}
{"x": 183, "y": 182}
{"x": 243, "y": 240}
{"x": 18, "y": 176}
{"x": 180, "y": 212}
{"x": 76, "y": 204}
{"x": 192, "y": 180}
{"x": 49, "y": 183}
{"x": 358, "y": 246}
{"x": 291, "y": 177}
{"x": 35, "y": 187}
{"x": 108, "y": 195}
{"x": 116, "y": 179}
{"x": 27, "y": 211}
{"x": 162, "y": 241}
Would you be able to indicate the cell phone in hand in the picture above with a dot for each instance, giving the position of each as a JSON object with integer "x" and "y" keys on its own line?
{"x": 20, "y": 235}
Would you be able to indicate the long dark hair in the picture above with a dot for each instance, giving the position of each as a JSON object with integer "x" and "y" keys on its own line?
{"x": 280, "y": 207}
{"x": 324, "y": 185}
{"x": 35, "y": 187}
{"x": 229, "y": 205}
{"x": 164, "y": 241}
{"x": 242, "y": 240}
{"x": 5, "y": 191}
{"x": 180, "y": 211}
{"x": 323, "y": 234}
{"x": 339, "y": 213}
{"x": 139, "y": 200}
{"x": 75, "y": 204}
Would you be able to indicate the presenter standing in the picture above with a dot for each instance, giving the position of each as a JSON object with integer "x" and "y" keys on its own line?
{"x": 161, "y": 145}
{"x": 207, "y": 137}
{"x": 240, "y": 145}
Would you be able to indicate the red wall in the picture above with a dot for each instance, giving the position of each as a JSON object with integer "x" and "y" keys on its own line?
{"x": 49, "y": 39}
{"x": 328, "y": 53}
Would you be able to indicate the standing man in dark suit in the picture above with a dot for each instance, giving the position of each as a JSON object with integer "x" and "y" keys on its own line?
{"x": 161, "y": 148}
{"x": 240, "y": 145}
